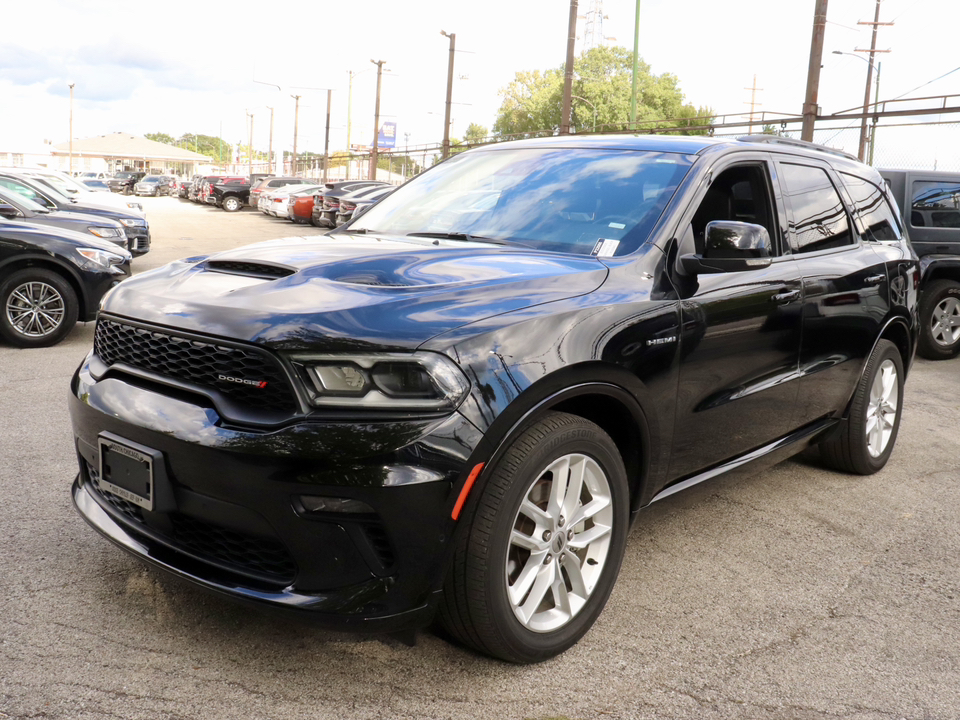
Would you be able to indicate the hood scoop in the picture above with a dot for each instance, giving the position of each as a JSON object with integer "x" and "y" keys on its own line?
{"x": 264, "y": 271}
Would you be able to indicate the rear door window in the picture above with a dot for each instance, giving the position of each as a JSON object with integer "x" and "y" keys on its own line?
{"x": 878, "y": 222}
{"x": 819, "y": 218}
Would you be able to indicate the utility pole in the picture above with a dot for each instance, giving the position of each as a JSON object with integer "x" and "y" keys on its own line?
{"x": 326, "y": 138}
{"x": 446, "y": 116}
{"x": 876, "y": 102}
{"x": 753, "y": 101}
{"x": 406, "y": 153}
{"x": 568, "y": 71}
{"x": 71, "y": 128}
{"x": 810, "y": 105}
{"x": 271, "y": 167}
{"x": 372, "y": 175}
{"x": 636, "y": 69}
{"x": 296, "y": 127}
{"x": 250, "y": 148}
{"x": 862, "y": 147}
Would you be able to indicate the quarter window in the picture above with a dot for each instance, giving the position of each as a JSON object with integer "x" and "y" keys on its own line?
{"x": 819, "y": 218}
{"x": 878, "y": 220}
{"x": 935, "y": 204}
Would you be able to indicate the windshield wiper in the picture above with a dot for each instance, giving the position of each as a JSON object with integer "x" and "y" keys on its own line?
{"x": 462, "y": 236}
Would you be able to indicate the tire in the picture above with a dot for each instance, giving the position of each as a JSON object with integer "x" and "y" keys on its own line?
{"x": 940, "y": 320}
{"x": 866, "y": 440}
{"x": 526, "y": 583}
{"x": 37, "y": 308}
{"x": 231, "y": 204}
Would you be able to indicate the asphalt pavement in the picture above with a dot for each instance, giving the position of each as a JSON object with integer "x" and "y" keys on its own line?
{"x": 790, "y": 592}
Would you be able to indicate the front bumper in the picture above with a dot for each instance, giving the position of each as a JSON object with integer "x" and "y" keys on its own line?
{"x": 138, "y": 239}
{"x": 232, "y": 521}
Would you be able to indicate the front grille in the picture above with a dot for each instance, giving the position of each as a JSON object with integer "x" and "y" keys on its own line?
{"x": 201, "y": 363}
{"x": 127, "y": 509}
{"x": 263, "y": 557}
{"x": 258, "y": 555}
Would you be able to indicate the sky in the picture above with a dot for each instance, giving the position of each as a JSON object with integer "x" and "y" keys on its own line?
{"x": 178, "y": 67}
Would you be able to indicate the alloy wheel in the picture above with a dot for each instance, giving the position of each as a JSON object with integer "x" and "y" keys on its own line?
{"x": 945, "y": 324}
{"x": 35, "y": 309}
{"x": 559, "y": 543}
{"x": 882, "y": 408}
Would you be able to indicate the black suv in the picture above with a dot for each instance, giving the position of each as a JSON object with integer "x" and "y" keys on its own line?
{"x": 458, "y": 402}
{"x": 50, "y": 278}
{"x": 124, "y": 182}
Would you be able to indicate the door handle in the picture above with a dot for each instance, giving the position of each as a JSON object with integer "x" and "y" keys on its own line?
{"x": 874, "y": 279}
{"x": 786, "y": 297}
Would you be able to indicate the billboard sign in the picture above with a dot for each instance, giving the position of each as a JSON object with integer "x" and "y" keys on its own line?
{"x": 387, "y": 138}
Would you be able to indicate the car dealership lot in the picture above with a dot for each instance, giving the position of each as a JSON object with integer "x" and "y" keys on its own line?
{"x": 792, "y": 592}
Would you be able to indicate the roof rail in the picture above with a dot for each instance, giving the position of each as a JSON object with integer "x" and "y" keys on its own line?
{"x": 778, "y": 140}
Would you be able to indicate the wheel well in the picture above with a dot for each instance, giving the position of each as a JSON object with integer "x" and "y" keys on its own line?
{"x": 943, "y": 272}
{"x": 12, "y": 267}
{"x": 618, "y": 422}
{"x": 896, "y": 333}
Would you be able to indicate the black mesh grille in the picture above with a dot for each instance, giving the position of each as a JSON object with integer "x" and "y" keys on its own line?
{"x": 380, "y": 544}
{"x": 127, "y": 509}
{"x": 263, "y": 556}
{"x": 260, "y": 556}
{"x": 202, "y": 363}
{"x": 252, "y": 269}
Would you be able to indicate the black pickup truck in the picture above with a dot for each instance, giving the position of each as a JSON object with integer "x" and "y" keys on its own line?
{"x": 231, "y": 194}
{"x": 931, "y": 209}
{"x": 123, "y": 182}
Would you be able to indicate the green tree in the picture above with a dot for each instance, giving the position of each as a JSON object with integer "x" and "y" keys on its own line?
{"x": 532, "y": 103}
{"x": 212, "y": 147}
{"x": 161, "y": 137}
{"x": 475, "y": 134}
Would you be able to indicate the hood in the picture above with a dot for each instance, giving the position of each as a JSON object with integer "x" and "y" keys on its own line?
{"x": 339, "y": 292}
{"x": 107, "y": 201}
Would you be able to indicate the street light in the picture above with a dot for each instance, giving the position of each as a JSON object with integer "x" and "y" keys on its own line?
{"x": 866, "y": 106}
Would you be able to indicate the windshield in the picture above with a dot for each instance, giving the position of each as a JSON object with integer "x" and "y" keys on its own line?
{"x": 50, "y": 190}
{"x": 152, "y": 179}
{"x": 584, "y": 201}
{"x": 66, "y": 185}
{"x": 21, "y": 201}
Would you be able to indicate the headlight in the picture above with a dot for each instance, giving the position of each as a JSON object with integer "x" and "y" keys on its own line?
{"x": 134, "y": 206}
{"x": 386, "y": 381}
{"x": 102, "y": 257}
{"x": 105, "y": 232}
{"x": 132, "y": 222}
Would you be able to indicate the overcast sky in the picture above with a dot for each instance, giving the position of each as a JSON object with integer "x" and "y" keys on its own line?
{"x": 179, "y": 67}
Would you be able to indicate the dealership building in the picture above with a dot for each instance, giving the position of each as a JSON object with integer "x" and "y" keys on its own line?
{"x": 123, "y": 151}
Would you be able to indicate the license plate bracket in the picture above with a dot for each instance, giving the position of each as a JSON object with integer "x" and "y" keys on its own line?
{"x": 127, "y": 471}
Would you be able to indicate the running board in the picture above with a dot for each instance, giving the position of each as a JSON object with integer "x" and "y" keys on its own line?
{"x": 799, "y": 436}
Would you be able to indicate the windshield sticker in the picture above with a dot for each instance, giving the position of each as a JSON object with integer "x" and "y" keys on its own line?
{"x": 605, "y": 247}
{"x": 617, "y": 226}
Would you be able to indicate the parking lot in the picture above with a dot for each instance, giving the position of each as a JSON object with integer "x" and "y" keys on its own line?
{"x": 788, "y": 592}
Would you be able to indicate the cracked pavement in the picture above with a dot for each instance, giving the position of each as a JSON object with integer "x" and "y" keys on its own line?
{"x": 789, "y": 592}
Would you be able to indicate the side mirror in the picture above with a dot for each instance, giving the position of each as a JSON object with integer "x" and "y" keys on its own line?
{"x": 9, "y": 211}
{"x": 730, "y": 247}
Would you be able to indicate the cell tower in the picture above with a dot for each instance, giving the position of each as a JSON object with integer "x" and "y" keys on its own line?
{"x": 593, "y": 27}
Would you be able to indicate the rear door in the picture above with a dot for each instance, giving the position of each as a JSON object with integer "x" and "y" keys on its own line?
{"x": 845, "y": 287}
{"x": 933, "y": 212}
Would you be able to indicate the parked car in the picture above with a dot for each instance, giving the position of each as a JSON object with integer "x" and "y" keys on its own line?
{"x": 155, "y": 185}
{"x": 300, "y": 204}
{"x": 74, "y": 190}
{"x": 326, "y": 204}
{"x": 95, "y": 185}
{"x": 274, "y": 202}
{"x": 270, "y": 182}
{"x": 14, "y": 206}
{"x": 123, "y": 182}
{"x": 92, "y": 175}
{"x": 136, "y": 227}
{"x": 457, "y": 402}
{"x": 359, "y": 201}
{"x": 932, "y": 203}
{"x": 50, "y": 278}
{"x": 231, "y": 194}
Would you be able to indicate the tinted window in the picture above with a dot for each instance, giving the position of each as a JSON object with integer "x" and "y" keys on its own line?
{"x": 935, "y": 204}
{"x": 738, "y": 194}
{"x": 819, "y": 219}
{"x": 876, "y": 216}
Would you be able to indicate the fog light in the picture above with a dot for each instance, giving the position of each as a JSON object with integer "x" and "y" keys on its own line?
{"x": 316, "y": 503}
